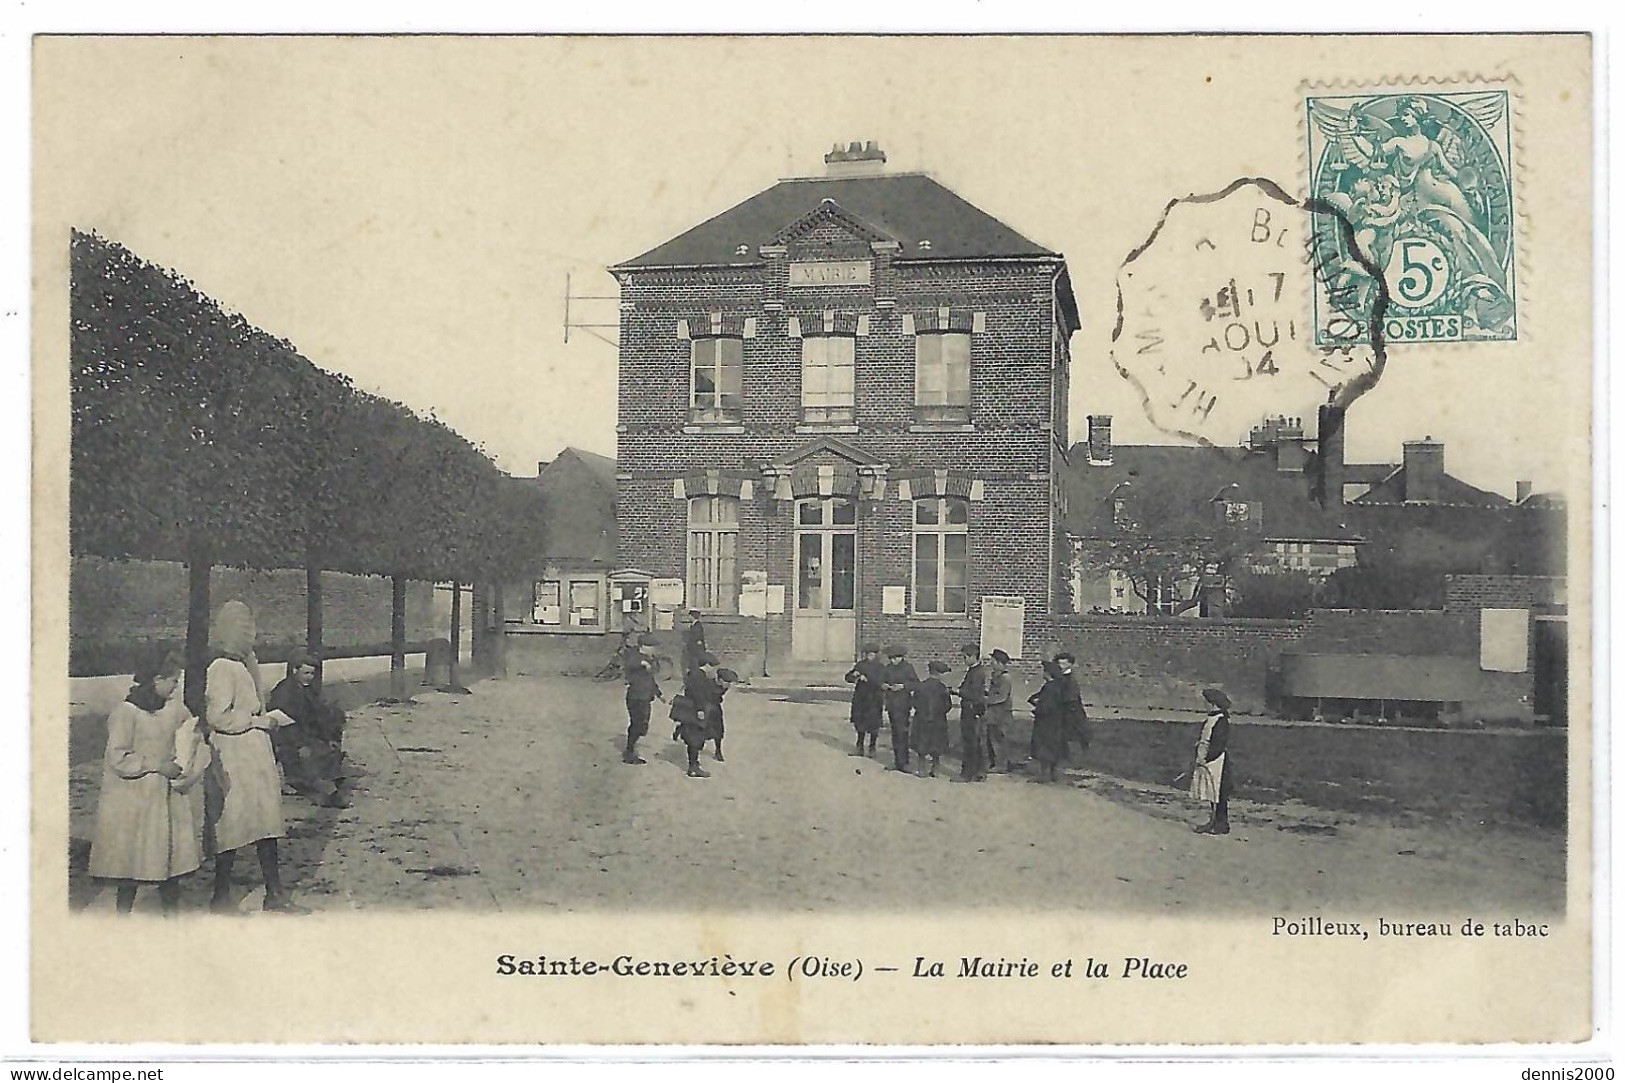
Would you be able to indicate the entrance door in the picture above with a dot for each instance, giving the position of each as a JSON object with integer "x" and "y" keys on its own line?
{"x": 824, "y": 628}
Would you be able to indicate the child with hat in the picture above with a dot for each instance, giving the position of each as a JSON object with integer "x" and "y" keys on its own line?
{"x": 972, "y": 702}
{"x": 1049, "y": 722}
{"x": 726, "y": 679}
{"x": 696, "y": 710}
{"x": 865, "y": 677}
{"x": 931, "y": 703}
{"x": 1000, "y": 713}
{"x": 642, "y": 689}
{"x": 1210, "y": 776}
{"x": 898, "y": 680}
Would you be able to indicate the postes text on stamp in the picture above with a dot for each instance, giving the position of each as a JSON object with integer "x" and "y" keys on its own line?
{"x": 1425, "y": 178}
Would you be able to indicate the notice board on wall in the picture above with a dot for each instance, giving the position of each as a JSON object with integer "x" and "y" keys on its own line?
{"x": 666, "y": 593}
{"x": 1503, "y": 640}
{"x": 1004, "y": 620}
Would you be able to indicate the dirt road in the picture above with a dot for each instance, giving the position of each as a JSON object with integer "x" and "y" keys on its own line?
{"x": 515, "y": 798}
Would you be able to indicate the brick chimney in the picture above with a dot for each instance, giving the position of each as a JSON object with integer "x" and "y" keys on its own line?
{"x": 1100, "y": 439}
{"x": 1424, "y": 471}
{"x": 856, "y": 160}
{"x": 1289, "y": 450}
{"x": 1329, "y": 461}
{"x": 1524, "y": 489}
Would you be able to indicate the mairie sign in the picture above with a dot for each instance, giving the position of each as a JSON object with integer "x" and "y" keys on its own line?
{"x": 830, "y": 273}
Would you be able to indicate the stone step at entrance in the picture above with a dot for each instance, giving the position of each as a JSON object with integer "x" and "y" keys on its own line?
{"x": 799, "y": 677}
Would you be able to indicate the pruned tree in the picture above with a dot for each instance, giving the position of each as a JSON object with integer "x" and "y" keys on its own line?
{"x": 199, "y": 438}
{"x": 1172, "y": 547}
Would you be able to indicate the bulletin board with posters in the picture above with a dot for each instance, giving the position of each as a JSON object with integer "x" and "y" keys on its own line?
{"x": 1004, "y": 619}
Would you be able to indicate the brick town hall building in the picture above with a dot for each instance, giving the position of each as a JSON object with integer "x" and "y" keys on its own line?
{"x": 848, "y": 392}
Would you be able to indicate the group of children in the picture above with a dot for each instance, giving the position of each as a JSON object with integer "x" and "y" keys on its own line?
{"x": 892, "y": 690}
{"x": 174, "y": 786}
{"x": 917, "y": 710}
{"x": 697, "y": 712}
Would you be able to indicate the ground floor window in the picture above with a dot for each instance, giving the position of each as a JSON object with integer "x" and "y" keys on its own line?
{"x": 713, "y": 543}
{"x": 941, "y": 556}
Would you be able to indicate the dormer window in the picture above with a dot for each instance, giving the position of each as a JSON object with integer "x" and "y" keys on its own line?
{"x": 717, "y": 366}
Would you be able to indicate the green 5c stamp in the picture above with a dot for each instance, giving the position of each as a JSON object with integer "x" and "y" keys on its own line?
{"x": 1424, "y": 178}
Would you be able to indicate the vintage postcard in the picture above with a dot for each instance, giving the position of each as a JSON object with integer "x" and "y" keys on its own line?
{"x": 787, "y": 540}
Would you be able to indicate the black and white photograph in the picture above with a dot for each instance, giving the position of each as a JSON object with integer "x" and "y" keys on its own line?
{"x": 688, "y": 522}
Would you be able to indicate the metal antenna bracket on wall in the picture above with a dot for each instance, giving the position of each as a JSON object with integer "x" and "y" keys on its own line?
{"x": 582, "y": 311}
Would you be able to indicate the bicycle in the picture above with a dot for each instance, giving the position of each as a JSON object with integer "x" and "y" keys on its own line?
{"x": 661, "y": 665}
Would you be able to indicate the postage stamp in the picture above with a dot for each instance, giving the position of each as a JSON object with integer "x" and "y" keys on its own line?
{"x": 1426, "y": 178}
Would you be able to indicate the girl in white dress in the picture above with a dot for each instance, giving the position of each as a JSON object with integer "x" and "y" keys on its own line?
{"x": 246, "y": 772}
{"x": 148, "y": 816}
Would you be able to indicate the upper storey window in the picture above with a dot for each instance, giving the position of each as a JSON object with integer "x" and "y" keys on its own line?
{"x": 718, "y": 370}
{"x": 942, "y": 376}
{"x": 827, "y": 383}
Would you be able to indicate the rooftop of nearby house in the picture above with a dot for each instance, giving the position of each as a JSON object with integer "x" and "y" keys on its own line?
{"x": 1198, "y": 477}
{"x": 1275, "y": 471}
{"x": 578, "y": 488}
{"x": 1390, "y": 487}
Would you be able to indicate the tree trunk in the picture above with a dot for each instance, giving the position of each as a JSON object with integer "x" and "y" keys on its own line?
{"x": 479, "y": 630}
{"x": 498, "y": 635}
{"x": 397, "y": 637}
{"x": 197, "y": 628}
{"x": 456, "y": 630}
{"x": 313, "y": 618}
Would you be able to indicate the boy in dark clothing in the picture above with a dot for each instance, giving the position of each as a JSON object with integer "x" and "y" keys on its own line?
{"x": 931, "y": 703}
{"x": 898, "y": 680}
{"x": 704, "y": 698}
{"x": 1076, "y": 718}
{"x": 997, "y": 714}
{"x": 311, "y": 751}
{"x": 972, "y": 702}
{"x": 693, "y": 641}
{"x": 866, "y": 678}
{"x": 726, "y": 679}
{"x": 641, "y": 690}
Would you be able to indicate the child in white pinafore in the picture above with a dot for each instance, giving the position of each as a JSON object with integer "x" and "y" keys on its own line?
{"x": 149, "y": 814}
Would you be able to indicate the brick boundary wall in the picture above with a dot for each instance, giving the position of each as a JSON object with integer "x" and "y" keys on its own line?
{"x": 1532, "y": 592}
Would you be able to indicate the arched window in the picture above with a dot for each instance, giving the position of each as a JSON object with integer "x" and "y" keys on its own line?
{"x": 713, "y": 541}
{"x": 942, "y": 556}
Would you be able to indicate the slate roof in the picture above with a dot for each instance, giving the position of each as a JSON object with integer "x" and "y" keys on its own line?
{"x": 601, "y": 467}
{"x": 906, "y": 207}
{"x": 1194, "y": 476}
{"x": 578, "y": 488}
{"x": 1452, "y": 492}
{"x": 1366, "y": 473}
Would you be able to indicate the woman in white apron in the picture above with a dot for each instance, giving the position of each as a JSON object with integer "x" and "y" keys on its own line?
{"x": 1210, "y": 777}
